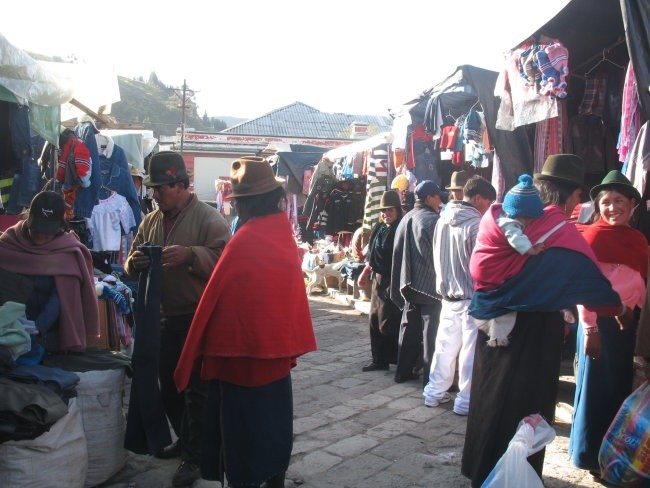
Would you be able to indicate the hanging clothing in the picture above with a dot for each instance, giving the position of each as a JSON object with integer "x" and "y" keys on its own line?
{"x": 376, "y": 184}
{"x": 111, "y": 218}
{"x": 638, "y": 165}
{"x": 551, "y": 136}
{"x": 86, "y": 198}
{"x": 594, "y": 143}
{"x": 116, "y": 176}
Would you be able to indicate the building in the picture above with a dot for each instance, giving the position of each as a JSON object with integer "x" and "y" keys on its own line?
{"x": 208, "y": 155}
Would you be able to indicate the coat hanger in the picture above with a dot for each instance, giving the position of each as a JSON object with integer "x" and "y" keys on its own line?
{"x": 603, "y": 59}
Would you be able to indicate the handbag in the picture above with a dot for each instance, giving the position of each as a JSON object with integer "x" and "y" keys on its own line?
{"x": 624, "y": 455}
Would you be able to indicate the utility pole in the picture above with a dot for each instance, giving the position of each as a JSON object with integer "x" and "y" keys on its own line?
{"x": 183, "y": 105}
{"x": 185, "y": 95}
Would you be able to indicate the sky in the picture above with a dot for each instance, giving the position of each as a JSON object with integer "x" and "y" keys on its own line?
{"x": 244, "y": 58}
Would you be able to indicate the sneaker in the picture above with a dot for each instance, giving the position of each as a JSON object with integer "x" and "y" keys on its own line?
{"x": 446, "y": 398}
{"x": 186, "y": 474}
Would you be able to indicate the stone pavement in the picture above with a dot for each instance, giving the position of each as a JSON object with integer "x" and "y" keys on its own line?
{"x": 357, "y": 430}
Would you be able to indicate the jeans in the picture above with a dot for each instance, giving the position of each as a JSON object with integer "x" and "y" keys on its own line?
{"x": 147, "y": 431}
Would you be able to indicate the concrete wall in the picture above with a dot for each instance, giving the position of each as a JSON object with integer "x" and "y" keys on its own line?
{"x": 206, "y": 170}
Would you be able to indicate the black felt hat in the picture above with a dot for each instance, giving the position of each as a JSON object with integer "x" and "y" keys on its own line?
{"x": 166, "y": 167}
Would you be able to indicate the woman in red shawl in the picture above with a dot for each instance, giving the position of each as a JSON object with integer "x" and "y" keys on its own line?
{"x": 251, "y": 324}
{"x": 606, "y": 344}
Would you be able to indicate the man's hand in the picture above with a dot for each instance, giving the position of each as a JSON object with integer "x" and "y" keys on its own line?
{"x": 176, "y": 256}
{"x": 140, "y": 260}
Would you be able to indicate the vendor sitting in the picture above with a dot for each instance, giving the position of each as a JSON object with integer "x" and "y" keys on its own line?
{"x": 62, "y": 301}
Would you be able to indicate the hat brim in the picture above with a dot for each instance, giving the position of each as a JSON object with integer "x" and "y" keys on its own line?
{"x": 453, "y": 187}
{"x": 559, "y": 179}
{"x": 258, "y": 191}
{"x": 146, "y": 181}
{"x": 626, "y": 189}
{"x": 48, "y": 227}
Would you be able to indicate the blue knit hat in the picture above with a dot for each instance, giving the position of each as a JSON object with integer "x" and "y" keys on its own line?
{"x": 523, "y": 200}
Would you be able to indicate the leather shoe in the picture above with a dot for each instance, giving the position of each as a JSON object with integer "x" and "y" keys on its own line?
{"x": 186, "y": 474}
{"x": 401, "y": 378}
{"x": 169, "y": 452}
{"x": 375, "y": 367}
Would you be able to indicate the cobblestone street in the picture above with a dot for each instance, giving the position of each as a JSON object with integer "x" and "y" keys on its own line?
{"x": 357, "y": 430}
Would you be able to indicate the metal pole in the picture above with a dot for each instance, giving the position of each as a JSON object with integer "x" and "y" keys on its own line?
{"x": 183, "y": 115}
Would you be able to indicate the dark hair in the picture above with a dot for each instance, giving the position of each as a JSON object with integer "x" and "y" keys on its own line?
{"x": 627, "y": 192}
{"x": 477, "y": 185}
{"x": 265, "y": 204}
{"x": 555, "y": 192}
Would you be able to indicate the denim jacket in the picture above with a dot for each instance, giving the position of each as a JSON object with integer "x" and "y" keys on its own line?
{"x": 115, "y": 176}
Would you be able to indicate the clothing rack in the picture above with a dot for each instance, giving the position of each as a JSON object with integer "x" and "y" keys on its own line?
{"x": 599, "y": 56}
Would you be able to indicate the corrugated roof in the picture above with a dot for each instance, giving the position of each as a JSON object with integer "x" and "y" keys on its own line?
{"x": 301, "y": 120}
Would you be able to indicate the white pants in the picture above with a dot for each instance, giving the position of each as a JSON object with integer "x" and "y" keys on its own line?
{"x": 456, "y": 338}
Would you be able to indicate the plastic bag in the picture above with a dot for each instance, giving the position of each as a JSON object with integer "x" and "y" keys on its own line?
{"x": 513, "y": 470}
{"x": 624, "y": 455}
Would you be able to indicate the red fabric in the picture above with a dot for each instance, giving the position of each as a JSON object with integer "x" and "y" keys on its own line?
{"x": 494, "y": 261}
{"x": 81, "y": 159}
{"x": 618, "y": 244}
{"x": 71, "y": 264}
{"x": 448, "y": 137}
{"x": 254, "y": 306}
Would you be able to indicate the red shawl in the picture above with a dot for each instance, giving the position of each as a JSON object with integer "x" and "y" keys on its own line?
{"x": 494, "y": 261}
{"x": 71, "y": 264}
{"x": 618, "y": 244}
{"x": 255, "y": 304}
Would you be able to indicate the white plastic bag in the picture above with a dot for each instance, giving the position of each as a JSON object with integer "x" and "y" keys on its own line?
{"x": 513, "y": 470}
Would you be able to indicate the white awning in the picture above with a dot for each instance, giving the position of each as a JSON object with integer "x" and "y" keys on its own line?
{"x": 359, "y": 146}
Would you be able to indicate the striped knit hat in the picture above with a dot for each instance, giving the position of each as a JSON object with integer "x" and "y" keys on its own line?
{"x": 523, "y": 200}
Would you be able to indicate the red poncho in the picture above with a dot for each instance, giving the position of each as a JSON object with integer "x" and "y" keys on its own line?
{"x": 618, "y": 244}
{"x": 255, "y": 304}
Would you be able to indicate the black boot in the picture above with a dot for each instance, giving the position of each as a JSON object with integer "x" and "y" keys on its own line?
{"x": 277, "y": 481}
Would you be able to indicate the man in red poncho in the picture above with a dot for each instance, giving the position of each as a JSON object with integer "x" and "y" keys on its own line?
{"x": 245, "y": 339}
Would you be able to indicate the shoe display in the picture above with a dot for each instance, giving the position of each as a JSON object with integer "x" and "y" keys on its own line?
{"x": 375, "y": 367}
{"x": 186, "y": 474}
{"x": 401, "y": 378}
{"x": 434, "y": 403}
{"x": 169, "y": 452}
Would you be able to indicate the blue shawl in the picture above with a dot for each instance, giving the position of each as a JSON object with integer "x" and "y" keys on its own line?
{"x": 555, "y": 279}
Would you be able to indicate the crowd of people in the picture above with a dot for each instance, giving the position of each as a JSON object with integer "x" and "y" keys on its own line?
{"x": 466, "y": 281}
{"x": 485, "y": 285}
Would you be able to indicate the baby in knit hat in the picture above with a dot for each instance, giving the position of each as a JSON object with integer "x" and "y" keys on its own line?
{"x": 521, "y": 205}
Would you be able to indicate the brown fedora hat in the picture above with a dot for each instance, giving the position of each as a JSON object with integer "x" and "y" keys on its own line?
{"x": 563, "y": 168}
{"x": 390, "y": 199}
{"x": 458, "y": 180}
{"x": 252, "y": 175}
